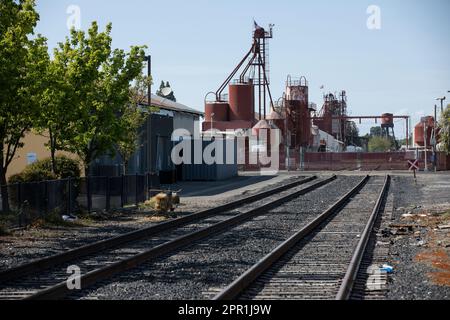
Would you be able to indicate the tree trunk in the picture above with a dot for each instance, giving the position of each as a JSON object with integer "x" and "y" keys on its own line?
{"x": 52, "y": 152}
{"x": 86, "y": 169}
{"x": 3, "y": 182}
{"x": 4, "y": 187}
{"x": 87, "y": 165}
{"x": 125, "y": 167}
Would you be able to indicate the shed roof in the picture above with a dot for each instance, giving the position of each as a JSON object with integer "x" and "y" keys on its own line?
{"x": 167, "y": 104}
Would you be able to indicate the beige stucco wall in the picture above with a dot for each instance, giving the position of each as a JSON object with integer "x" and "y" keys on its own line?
{"x": 34, "y": 143}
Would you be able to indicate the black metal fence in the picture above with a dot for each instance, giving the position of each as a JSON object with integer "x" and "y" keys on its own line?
{"x": 69, "y": 196}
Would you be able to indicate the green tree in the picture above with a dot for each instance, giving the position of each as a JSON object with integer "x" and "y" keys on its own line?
{"x": 445, "y": 130}
{"x": 352, "y": 134}
{"x": 139, "y": 90}
{"x": 379, "y": 144}
{"x": 375, "y": 132}
{"x": 23, "y": 57}
{"x": 56, "y": 106}
{"x": 161, "y": 87}
{"x": 134, "y": 116}
{"x": 100, "y": 79}
{"x": 402, "y": 142}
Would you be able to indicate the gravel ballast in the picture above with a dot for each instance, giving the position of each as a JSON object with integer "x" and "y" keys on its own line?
{"x": 199, "y": 271}
{"x": 39, "y": 242}
{"x": 410, "y": 239}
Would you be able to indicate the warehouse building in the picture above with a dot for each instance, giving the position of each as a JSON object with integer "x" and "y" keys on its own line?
{"x": 155, "y": 145}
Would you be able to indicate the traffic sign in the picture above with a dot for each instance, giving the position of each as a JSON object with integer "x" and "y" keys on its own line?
{"x": 413, "y": 165}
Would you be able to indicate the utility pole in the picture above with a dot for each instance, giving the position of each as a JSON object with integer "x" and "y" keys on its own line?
{"x": 442, "y": 103}
{"x": 426, "y": 145}
{"x": 435, "y": 139}
{"x": 148, "y": 59}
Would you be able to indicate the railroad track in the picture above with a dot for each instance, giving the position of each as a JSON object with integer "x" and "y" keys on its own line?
{"x": 371, "y": 283}
{"x": 321, "y": 261}
{"x": 47, "y": 278}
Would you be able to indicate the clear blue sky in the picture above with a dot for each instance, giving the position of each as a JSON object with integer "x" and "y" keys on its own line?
{"x": 195, "y": 44}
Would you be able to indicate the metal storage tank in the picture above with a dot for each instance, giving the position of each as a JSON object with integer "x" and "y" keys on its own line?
{"x": 301, "y": 123}
{"x": 219, "y": 109}
{"x": 387, "y": 119}
{"x": 242, "y": 102}
{"x": 419, "y": 131}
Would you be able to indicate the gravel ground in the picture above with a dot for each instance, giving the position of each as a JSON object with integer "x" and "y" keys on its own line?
{"x": 41, "y": 241}
{"x": 419, "y": 254}
{"x": 420, "y": 250}
{"x": 199, "y": 271}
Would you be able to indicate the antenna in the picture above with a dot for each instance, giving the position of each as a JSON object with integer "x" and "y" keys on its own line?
{"x": 166, "y": 91}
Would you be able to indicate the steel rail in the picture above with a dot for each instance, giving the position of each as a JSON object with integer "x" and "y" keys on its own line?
{"x": 61, "y": 290}
{"x": 346, "y": 287}
{"x": 48, "y": 262}
{"x": 245, "y": 280}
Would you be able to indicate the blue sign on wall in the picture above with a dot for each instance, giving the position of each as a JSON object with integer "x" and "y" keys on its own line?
{"x": 31, "y": 158}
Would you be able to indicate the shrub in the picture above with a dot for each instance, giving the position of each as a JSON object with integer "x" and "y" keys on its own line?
{"x": 16, "y": 178}
{"x": 445, "y": 132}
{"x": 66, "y": 167}
{"x": 33, "y": 174}
{"x": 379, "y": 144}
{"x": 42, "y": 171}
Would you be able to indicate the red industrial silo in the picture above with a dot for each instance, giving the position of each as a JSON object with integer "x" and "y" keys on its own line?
{"x": 419, "y": 131}
{"x": 299, "y": 122}
{"x": 218, "y": 109}
{"x": 242, "y": 102}
{"x": 298, "y": 113}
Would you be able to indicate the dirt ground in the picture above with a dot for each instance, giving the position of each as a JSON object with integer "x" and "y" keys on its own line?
{"x": 420, "y": 241}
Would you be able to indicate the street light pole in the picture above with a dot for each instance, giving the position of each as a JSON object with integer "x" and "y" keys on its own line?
{"x": 148, "y": 59}
{"x": 435, "y": 139}
{"x": 425, "y": 135}
{"x": 442, "y": 103}
{"x": 149, "y": 74}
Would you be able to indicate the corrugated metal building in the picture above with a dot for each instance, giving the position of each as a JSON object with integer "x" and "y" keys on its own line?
{"x": 156, "y": 143}
{"x": 210, "y": 172}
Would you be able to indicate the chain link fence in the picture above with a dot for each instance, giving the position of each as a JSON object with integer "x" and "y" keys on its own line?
{"x": 35, "y": 200}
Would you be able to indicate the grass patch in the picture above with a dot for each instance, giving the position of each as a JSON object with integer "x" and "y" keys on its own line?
{"x": 155, "y": 219}
{"x": 54, "y": 219}
{"x": 6, "y": 221}
{"x": 4, "y": 230}
{"x": 446, "y": 215}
